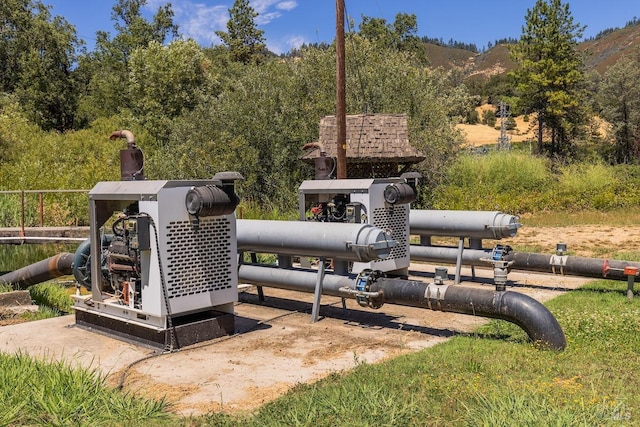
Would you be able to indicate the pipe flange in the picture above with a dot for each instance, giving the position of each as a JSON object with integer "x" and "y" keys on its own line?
{"x": 364, "y": 296}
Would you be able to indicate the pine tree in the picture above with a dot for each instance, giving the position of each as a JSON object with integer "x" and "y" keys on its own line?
{"x": 244, "y": 40}
{"x": 551, "y": 77}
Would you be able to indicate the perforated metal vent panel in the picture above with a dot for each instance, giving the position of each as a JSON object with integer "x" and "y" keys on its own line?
{"x": 394, "y": 219}
{"x": 199, "y": 261}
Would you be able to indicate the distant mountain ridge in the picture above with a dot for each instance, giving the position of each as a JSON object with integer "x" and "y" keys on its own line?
{"x": 600, "y": 53}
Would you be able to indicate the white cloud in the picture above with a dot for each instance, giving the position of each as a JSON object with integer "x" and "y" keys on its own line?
{"x": 264, "y": 9}
{"x": 286, "y": 44}
{"x": 295, "y": 42}
{"x": 265, "y": 12}
{"x": 287, "y": 5}
{"x": 262, "y": 6}
{"x": 196, "y": 20}
{"x": 200, "y": 20}
{"x": 267, "y": 17}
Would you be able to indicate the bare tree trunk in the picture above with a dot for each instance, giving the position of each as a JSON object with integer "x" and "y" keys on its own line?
{"x": 539, "y": 133}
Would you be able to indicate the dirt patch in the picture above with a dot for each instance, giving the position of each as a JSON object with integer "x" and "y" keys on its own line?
{"x": 584, "y": 240}
{"x": 12, "y": 321}
{"x": 479, "y": 135}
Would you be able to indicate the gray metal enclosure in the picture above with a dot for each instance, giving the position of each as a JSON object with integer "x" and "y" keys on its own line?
{"x": 363, "y": 201}
{"x": 152, "y": 262}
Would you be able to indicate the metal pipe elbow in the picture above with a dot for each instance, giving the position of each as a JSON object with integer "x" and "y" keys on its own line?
{"x": 520, "y": 309}
{"x": 537, "y": 321}
{"x": 317, "y": 145}
{"x": 124, "y": 134}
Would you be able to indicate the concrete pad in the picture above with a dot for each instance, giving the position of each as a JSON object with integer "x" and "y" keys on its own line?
{"x": 275, "y": 346}
{"x": 59, "y": 339}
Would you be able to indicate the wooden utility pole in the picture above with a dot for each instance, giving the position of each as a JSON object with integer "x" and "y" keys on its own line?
{"x": 341, "y": 103}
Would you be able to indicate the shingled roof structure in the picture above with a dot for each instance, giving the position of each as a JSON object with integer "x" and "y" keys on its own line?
{"x": 377, "y": 145}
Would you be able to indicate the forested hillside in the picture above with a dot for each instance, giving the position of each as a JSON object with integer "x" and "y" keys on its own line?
{"x": 600, "y": 53}
{"x": 199, "y": 110}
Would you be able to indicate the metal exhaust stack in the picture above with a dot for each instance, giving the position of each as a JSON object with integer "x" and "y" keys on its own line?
{"x": 131, "y": 158}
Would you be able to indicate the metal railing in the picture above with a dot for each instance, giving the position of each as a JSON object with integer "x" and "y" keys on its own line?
{"x": 40, "y": 194}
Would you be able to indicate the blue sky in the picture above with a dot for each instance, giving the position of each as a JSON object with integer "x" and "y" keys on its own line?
{"x": 289, "y": 23}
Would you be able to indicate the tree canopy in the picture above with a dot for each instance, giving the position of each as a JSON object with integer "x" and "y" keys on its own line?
{"x": 199, "y": 110}
{"x": 619, "y": 98}
{"x": 551, "y": 77}
{"x": 401, "y": 35}
{"x": 38, "y": 53}
{"x": 105, "y": 71}
{"x": 243, "y": 38}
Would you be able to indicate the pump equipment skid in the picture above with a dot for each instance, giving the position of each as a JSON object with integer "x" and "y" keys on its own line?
{"x": 160, "y": 262}
{"x": 381, "y": 202}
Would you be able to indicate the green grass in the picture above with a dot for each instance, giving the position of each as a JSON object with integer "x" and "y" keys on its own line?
{"x": 50, "y": 393}
{"x": 492, "y": 377}
{"x": 53, "y": 296}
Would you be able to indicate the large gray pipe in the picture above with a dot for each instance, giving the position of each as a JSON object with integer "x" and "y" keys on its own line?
{"x": 349, "y": 242}
{"x": 566, "y": 265}
{"x": 471, "y": 224}
{"x": 449, "y": 255}
{"x": 41, "y": 271}
{"x": 524, "y": 311}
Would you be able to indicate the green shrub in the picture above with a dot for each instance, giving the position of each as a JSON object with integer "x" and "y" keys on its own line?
{"x": 489, "y": 118}
{"x": 517, "y": 182}
{"x": 472, "y": 117}
{"x": 9, "y": 210}
{"x": 52, "y": 161}
{"x": 597, "y": 186}
{"x": 509, "y": 181}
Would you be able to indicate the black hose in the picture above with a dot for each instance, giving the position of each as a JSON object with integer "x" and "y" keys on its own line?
{"x": 533, "y": 317}
{"x": 41, "y": 271}
{"x": 568, "y": 265}
{"x": 571, "y": 265}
